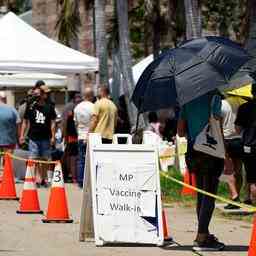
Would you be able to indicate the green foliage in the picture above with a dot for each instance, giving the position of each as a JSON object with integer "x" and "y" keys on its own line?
{"x": 19, "y": 6}
{"x": 225, "y": 17}
{"x": 68, "y": 21}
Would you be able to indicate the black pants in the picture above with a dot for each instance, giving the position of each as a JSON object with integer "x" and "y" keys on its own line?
{"x": 205, "y": 204}
{"x": 207, "y": 170}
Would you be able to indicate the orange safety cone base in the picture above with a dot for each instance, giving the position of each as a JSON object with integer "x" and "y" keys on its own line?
{"x": 7, "y": 187}
{"x": 29, "y": 202}
{"x": 29, "y": 212}
{"x": 57, "y": 221}
{"x": 167, "y": 237}
{"x": 9, "y": 198}
{"x": 58, "y": 208}
{"x": 252, "y": 247}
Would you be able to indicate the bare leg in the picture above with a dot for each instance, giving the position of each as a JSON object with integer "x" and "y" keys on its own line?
{"x": 253, "y": 193}
{"x": 73, "y": 166}
{"x": 232, "y": 186}
{"x": 237, "y": 163}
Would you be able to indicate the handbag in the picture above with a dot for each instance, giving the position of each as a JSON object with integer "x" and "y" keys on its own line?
{"x": 210, "y": 139}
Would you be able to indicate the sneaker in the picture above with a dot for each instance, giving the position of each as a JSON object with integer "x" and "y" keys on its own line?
{"x": 44, "y": 184}
{"x": 231, "y": 206}
{"x": 211, "y": 244}
{"x": 248, "y": 201}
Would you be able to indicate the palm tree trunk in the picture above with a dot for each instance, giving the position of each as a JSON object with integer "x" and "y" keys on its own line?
{"x": 172, "y": 34}
{"x": 156, "y": 27}
{"x": 116, "y": 81}
{"x": 193, "y": 19}
{"x": 125, "y": 56}
{"x": 251, "y": 41}
{"x": 101, "y": 41}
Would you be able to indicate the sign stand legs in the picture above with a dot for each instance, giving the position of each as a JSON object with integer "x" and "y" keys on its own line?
{"x": 86, "y": 221}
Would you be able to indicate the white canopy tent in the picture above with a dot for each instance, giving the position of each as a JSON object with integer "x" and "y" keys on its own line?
{"x": 24, "y": 49}
{"x": 137, "y": 70}
{"x": 28, "y": 80}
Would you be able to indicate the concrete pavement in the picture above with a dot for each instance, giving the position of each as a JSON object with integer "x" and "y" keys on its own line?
{"x": 26, "y": 235}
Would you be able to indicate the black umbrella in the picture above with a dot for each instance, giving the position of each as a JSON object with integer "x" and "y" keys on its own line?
{"x": 182, "y": 74}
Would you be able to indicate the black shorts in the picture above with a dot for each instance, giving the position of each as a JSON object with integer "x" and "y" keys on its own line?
{"x": 234, "y": 147}
{"x": 198, "y": 162}
{"x": 249, "y": 161}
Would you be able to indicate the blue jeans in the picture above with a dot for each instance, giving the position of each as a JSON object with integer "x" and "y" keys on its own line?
{"x": 81, "y": 162}
{"x": 40, "y": 149}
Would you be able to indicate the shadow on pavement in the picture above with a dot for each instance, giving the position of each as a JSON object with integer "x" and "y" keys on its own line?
{"x": 228, "y": 248}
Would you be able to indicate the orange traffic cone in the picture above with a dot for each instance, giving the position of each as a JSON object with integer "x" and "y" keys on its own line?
{"x": 57, "y": 207}
{"x": 7, "y": 187}
{"x": 252, "y": 248}
{"x": 29, "y": 200}
{"x": 167, "y": 237}
{"x": 189, "y": 178}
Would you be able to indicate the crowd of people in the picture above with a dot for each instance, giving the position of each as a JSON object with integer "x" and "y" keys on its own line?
{"x": 47, "y": 134}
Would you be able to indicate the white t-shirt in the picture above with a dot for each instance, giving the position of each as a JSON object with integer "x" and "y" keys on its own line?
{"x": 229, "y": 118}
{"x": 82, "y": 116}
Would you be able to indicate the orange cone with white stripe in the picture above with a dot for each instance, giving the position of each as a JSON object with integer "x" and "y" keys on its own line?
{"x": 252, "y": 247}
{"x": 190, "y": 179}
{"x": 7, "y": 186}
{"x": 29, "y": 200}
{"x": 57, "y": 207}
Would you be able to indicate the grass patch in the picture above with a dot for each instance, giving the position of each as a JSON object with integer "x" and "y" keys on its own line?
{"x": 171, "y": 193}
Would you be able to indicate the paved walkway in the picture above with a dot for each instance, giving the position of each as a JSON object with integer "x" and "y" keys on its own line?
{"x": 25, "y": 235}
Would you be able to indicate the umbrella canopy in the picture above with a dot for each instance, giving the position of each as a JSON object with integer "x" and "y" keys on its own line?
{"x": 182, "y": 74}
{"x": 24, "y": 49}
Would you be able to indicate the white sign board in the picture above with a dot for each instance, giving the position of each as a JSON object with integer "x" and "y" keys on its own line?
{"x": 125, "y": 193}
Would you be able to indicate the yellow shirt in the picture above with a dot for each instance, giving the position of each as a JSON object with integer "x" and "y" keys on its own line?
{"x": 106, "y": 112}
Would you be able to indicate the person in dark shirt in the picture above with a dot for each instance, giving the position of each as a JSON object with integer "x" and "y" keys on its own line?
{"x": 70, "y": 138}
{"x": 246, "y": 125}
{"x": 40, "y": 118}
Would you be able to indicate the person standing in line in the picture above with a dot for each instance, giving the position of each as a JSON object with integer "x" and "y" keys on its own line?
{"x": 233, "y": 165}
{"x": 104, "y": 118}
{"x": 39, "y": 118}
{"x": 82, "y": 116}
{"x": 9, "y": 125}
{"x": 70, "y": 138}
{"x": 245, "y": 124}
{"x": 194, "y": 117}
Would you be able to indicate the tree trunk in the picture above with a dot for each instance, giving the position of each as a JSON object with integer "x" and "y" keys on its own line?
{"x": 251, "y": 41}
{"x": 156, "y": 27}
{"x": 125, "y": 56}
{"x": 193, "y": 19}
{"x": 116, "y": 80}
{"x": 101, "y": 41}
{"x": 172, "y": 34}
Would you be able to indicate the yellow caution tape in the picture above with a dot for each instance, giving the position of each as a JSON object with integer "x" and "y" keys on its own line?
{"x": 25, "y": 159}
{"x": 248, "y": 208}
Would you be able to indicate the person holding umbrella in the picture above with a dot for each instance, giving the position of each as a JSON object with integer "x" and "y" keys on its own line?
{"x": 194, "y": 117}
{"x": 188, "y": 76}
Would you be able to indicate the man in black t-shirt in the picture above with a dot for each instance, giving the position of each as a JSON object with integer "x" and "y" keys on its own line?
{"x": 246, "y": 125}
{"x": 40, "y": 118}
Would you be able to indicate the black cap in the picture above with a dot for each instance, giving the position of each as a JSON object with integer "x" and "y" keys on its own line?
{"x": 39, "y": 83}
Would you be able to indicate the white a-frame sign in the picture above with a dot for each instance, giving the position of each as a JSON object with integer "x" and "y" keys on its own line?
{"x": 123, "y": 187}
